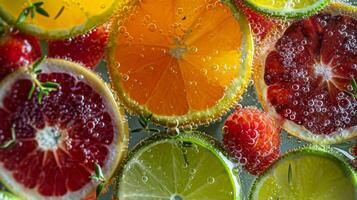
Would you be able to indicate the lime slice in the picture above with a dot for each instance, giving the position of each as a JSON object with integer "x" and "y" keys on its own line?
{"x": 287, "y": 8}
{"x": 7, "y": 196}
{"x": 315, "y": 172}
{"x": 184, "y": 166}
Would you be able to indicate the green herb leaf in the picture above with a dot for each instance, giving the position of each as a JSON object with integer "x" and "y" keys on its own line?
{"x": 37, "y": 64}
{"x": 38, "y": 4}
{"x": 98, "y": 171}
{"x": 10, "y": 143}
{"x": 51, "y": 84}
{"x": 32, "y": 90}
{"x": 99, "y": 190}
{"x": 354, "y": 84}
{"x": 59, "y": 12}
{"x": 23, "y": 15}
{"x": 290, "y": 175}
{"x": 42, "y": 12}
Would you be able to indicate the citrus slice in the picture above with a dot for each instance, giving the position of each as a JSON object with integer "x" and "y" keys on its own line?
{"x": 303, "y": 75}
{"x": 182, "y": 61}
{"x": 287, "y": 8}
{"x": 308, "y": 173}
{"x": 7, "y": 196}
{"x": 185, "y": 166}
{"x": 66, "y": 17}
{"x": 58, "y": 141}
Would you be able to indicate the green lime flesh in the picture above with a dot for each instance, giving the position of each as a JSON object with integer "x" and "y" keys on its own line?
{"x": 307, "y": 174}
{"x": 288, "y": 8}
{"x": 178, "y": 168}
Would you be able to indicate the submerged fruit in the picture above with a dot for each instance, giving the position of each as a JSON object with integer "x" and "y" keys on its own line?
{"x": 64, "y": 18}
{"x": 87, "y": 49}
{"x": 17, "y": 50}
{"x": 308, "y": 173}
{"x": 252, "y": 138}
{"x": 303, "y": 75}
{"x": 182, "y": 62}
{"x": 189, "y": 165}
{"x": 56, "y": 142}
{"x": 288, "y": 8}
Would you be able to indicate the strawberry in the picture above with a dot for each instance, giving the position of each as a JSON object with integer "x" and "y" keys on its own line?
{"x": 252, "y": 138}
{"x": 87, "y": 49}
{"x": 16, "y": 50}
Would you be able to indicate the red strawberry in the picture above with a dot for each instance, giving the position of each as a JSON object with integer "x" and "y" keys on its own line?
{"x": 260, "y": 24}
{"x": 87, "y": 49}
{"x": 16, "y": 50}
{"x": 252, "y": 138}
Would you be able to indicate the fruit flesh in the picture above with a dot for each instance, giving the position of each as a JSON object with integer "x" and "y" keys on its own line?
{"x": 59, "y": 140}
{"x": 164, "y": 61}
{"x": 309, "y": 70}
{"x": 188, "y": 172}
{"x": 314, "y": 175}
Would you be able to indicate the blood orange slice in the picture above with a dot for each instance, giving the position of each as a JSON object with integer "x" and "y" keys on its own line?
{"x": 185, "y": 62}
{"x": 58, "y": 141}
{"x": 303, "y": 73}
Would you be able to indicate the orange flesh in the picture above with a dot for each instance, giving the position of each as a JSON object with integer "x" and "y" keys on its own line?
{"x": 177, "y": 56}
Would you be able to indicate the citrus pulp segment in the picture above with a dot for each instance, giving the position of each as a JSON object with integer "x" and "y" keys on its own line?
{"x": 303, "y": 76}
{"x": 66, "y": 17}
{"x": 182, "y": 61}
{"x": 307, "y": 173}
{"x": 185, "y": 166}
{"x": 58, "y": 141}
{"x": 287, "y": 8}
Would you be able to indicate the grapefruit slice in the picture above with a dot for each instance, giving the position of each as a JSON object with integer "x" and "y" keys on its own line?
{"x": 66, "y": 18}
{"x": 182, "y": 61}
{"x": 302, "y": 76}
{"x": 58, "y": 141}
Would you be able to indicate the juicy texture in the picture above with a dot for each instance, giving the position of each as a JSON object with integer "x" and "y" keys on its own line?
{"x": 87, "y": 49}
{"x": 252, "y": 138}
{"x": 85, "y": 129}
{"x": 260, "y": 24}
{"x": 310, "y": 68}
{"x": 17, "y": 50}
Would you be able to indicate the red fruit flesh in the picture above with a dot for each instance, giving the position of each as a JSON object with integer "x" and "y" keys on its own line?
{"x": 260, "y": 24}
{"x": 17, "y": 50}
{"x": 252, "y": 138}
{"x": 310, "y": 68}
{"x": 58, "y": 141}
{"x": 87, "y": 49}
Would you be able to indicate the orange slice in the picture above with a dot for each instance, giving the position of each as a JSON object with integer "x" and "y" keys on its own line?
{"x": 305, "y": 72}
{"x": 182, "y": 61}
{"x": 66, "y": 17}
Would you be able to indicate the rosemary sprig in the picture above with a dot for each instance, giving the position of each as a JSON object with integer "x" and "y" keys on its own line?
{"x": 353, "y": 93}
{"x": 44, "y": 88}
{"x": 290, "y": 175}
{"x": 31, "y": 10}
{"x": 11, "y": 142}
{"x": 145, "y": 123}
{"x": 98, "y": 176}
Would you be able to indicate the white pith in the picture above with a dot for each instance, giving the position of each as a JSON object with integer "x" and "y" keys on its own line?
{"x": 47, "y": 136}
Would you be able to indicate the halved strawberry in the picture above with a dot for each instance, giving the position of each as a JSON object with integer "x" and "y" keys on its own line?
{"x": 87, "y": 49}
{"x": 16, "y": 50}
{"x": 252, "y": 137}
